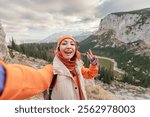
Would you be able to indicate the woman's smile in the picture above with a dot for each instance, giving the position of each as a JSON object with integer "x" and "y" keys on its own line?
{"x": 68, "y": 51}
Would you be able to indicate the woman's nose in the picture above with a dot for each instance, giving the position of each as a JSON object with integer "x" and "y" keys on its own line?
{"x": 68, "y": 45}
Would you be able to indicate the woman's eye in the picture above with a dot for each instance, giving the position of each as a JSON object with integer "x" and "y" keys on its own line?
{"x": 72, "y": 44}
{"x": 64, "y": 43}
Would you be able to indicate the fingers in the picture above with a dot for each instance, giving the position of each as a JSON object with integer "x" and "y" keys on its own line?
{"x": 93, "y": 59}
{"x": 90, "y": 54}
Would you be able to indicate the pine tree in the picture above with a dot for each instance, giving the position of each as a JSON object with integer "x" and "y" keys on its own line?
{"x": 111, "y": 74}
{"x": 101, "y": 72}
{"x": 13, "y": 44}
{"x": 125, "y": 78}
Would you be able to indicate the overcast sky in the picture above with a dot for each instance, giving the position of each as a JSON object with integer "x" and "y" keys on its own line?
{"x": 28, "y": 20}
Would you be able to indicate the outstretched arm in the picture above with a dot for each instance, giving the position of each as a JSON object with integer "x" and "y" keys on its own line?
{"x": 22, "y": 82}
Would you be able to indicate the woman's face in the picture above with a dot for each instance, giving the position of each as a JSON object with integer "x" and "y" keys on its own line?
{"x": 68, "y": 48}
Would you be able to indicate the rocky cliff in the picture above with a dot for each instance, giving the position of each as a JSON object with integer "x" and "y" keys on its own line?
{"x": 128, "y": 26}
{"x": 130, "y": 29}
{"x": 4, "y": 54}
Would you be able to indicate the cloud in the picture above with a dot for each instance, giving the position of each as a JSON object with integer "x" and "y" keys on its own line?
{"x": 20, "y": 16}
{"x": 110, "y": 6}
{"x": 23, "y": 17}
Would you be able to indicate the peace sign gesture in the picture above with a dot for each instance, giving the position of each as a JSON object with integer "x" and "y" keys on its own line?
{"x": 93, "y": 59}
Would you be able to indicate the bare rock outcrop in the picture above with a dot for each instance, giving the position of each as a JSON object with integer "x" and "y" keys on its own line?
{"x": 4, "y": 53}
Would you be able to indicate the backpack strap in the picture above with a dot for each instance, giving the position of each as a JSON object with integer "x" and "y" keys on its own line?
{"x": 52, "y": 85}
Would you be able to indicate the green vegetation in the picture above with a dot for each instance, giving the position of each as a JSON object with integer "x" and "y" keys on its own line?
{"x": 106, "y": 63}
{"x": 134, "y": 65}
{"x": 137, "y": 67}
{"x": 85, "y": 60}
{"x": 43, "y": 51}
{"x": 118, "y": 75}
{"x": 83, "y": 46}
{"x": 92, "y": 40}
{"x": 105, "y": 73}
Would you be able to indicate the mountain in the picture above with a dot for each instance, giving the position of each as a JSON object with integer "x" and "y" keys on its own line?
{"x": 124, "y": 37}
{"x": 128, "y": 26}
{"x": 79, "y": 36}
{"x": 125, "y": 30}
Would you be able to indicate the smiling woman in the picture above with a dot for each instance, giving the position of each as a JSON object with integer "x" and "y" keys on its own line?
{"x": 67, "y": 66}
{"x": 67, "y": 48}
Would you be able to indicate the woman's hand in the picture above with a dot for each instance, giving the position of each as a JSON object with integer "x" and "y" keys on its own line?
{"x": 93, "y": 59}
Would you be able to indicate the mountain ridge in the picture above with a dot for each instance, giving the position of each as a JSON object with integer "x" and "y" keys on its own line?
{"x": 79, "y": 36}
{"x": 126, "y": 26}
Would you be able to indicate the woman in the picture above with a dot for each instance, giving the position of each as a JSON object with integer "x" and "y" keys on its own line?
{"x": 21, "y": 82}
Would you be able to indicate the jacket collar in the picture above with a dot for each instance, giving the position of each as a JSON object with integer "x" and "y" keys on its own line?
{"x": 60, "y": 68}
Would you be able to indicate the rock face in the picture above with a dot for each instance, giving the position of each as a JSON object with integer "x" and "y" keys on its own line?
{"x": 4, "y": 54}
{"x": 128, "y": 26}
{"x": 125, "y": 91}
{"x": 128, "y": 29}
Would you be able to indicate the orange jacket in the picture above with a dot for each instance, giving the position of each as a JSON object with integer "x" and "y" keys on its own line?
{"x": 23, "y": 82}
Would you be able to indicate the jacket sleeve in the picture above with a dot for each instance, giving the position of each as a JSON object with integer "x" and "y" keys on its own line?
{"x": 23, "y": 82}
{"x": 90, "y": 72}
